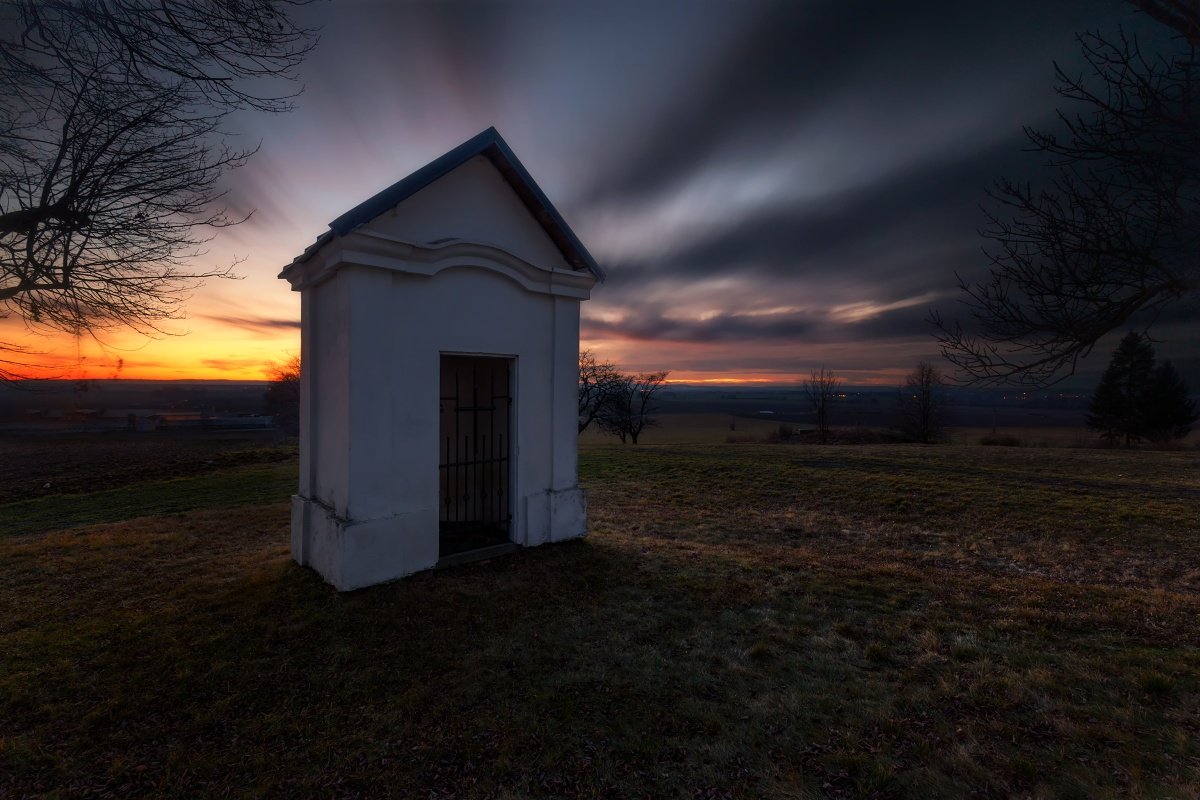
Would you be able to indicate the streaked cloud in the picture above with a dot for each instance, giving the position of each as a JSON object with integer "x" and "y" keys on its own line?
{"x": 255, "y": 325}
{"x": 233, "y": 364}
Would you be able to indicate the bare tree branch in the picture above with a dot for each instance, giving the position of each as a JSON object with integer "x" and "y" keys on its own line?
{"x": 111, "y": 152}
{"x": 598, "y": 381}
{"x": 1115, "y": 233}
{"x": 282, "y": 397}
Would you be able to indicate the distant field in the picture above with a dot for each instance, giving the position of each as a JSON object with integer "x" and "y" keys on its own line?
{"x": 46, "y": 466}
{"x": 718, "y": 428}
{"x": 745, "y": 620}
{"x": 694, "y": 428}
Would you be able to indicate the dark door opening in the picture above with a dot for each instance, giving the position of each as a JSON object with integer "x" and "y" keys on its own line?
{"x": 474, "y": 464}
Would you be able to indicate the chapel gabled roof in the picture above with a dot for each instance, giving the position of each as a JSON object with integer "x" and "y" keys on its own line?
{"x": 491, "y": 145}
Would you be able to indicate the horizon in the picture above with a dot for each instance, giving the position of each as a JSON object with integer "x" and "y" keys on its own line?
{"x": 1047, "y": 391}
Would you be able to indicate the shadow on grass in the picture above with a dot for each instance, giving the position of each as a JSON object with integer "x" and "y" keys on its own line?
{"x": 619, "y": 666}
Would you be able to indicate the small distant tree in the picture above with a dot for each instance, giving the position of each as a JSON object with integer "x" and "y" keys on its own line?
{"x": 283, "y": 394}
{"x": 1169, "y": 412}
{"x": 597, "y": 382}
{"x": 819, "y": 392}
{"x": 1118, "y": 408}
{"x": 922, "y": 403}
{"x": 630, "y": 407}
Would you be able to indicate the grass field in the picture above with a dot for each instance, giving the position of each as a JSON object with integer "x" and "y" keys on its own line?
{"x": 745, "y": 620}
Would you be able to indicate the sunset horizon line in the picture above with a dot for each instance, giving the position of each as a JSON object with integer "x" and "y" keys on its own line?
{"x": 758, "y": 382}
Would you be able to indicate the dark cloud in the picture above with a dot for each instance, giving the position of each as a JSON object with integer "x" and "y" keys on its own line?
{"x": 722, "y": 160}
{"x": 882, "y": 63}
{"x": 902, "y": 238}
{"x": 906, "y": 323}
{"x": 254, "y": 324}
{"x": 652, "y": 325}
{"x": 656, "y": 322}
{"x": 872, "y": 228}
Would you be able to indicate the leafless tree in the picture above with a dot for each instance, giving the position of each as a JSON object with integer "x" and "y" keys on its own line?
{"x": 1116, "y": 231}
{"x": 597, "y": 382}
{"x": 630, "y": 407}
{"x": 110, "y": 148}
{"x": 922, "y": 403}
{"x": 282, "y": 397}
{"x": 820, "y": 390}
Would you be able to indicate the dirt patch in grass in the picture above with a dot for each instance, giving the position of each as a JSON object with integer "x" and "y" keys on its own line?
{"x": 742, "y": 622}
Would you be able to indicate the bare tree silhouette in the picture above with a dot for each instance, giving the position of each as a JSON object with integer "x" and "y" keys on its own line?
{"x": 111, "y": 151}
{"x": 922, "y": 403}
{"x": 598, "y": 380}
{"x": 282, "y": 397}
{"x": 629, "y": 408}
{"x": 819, "y": 392}
{"x": 1115, "y": 233}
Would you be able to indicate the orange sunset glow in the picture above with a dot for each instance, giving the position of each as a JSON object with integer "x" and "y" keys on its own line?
{"x": 206, "y": 351}
{"x": 232, "y": 330}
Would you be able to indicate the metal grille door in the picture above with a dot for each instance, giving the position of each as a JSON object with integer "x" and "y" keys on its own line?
{"x": 475, "y": 443}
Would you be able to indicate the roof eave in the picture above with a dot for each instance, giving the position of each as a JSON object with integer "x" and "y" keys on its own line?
{"x": 491, "y": 145}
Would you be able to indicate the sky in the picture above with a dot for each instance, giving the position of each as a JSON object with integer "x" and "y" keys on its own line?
{"x": 771, "y": 187}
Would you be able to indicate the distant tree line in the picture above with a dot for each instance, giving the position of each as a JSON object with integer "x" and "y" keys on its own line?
{"x": 920, "y": 404}
{"x": 618, "y": 404}
{"x": 1136, "y": 399}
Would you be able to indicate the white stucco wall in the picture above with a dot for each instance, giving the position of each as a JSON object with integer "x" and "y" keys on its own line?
{"x": 472, "y": 202}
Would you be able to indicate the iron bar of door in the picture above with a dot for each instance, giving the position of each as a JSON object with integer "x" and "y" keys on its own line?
{"x": 475, "y": 463}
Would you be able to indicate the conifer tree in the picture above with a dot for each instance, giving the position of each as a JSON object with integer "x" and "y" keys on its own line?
{"x": 1168, "y": 410}
{"x": 1118, "y": 408}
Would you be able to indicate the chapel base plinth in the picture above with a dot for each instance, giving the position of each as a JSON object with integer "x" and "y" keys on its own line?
{"x": 352, "y": 554}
